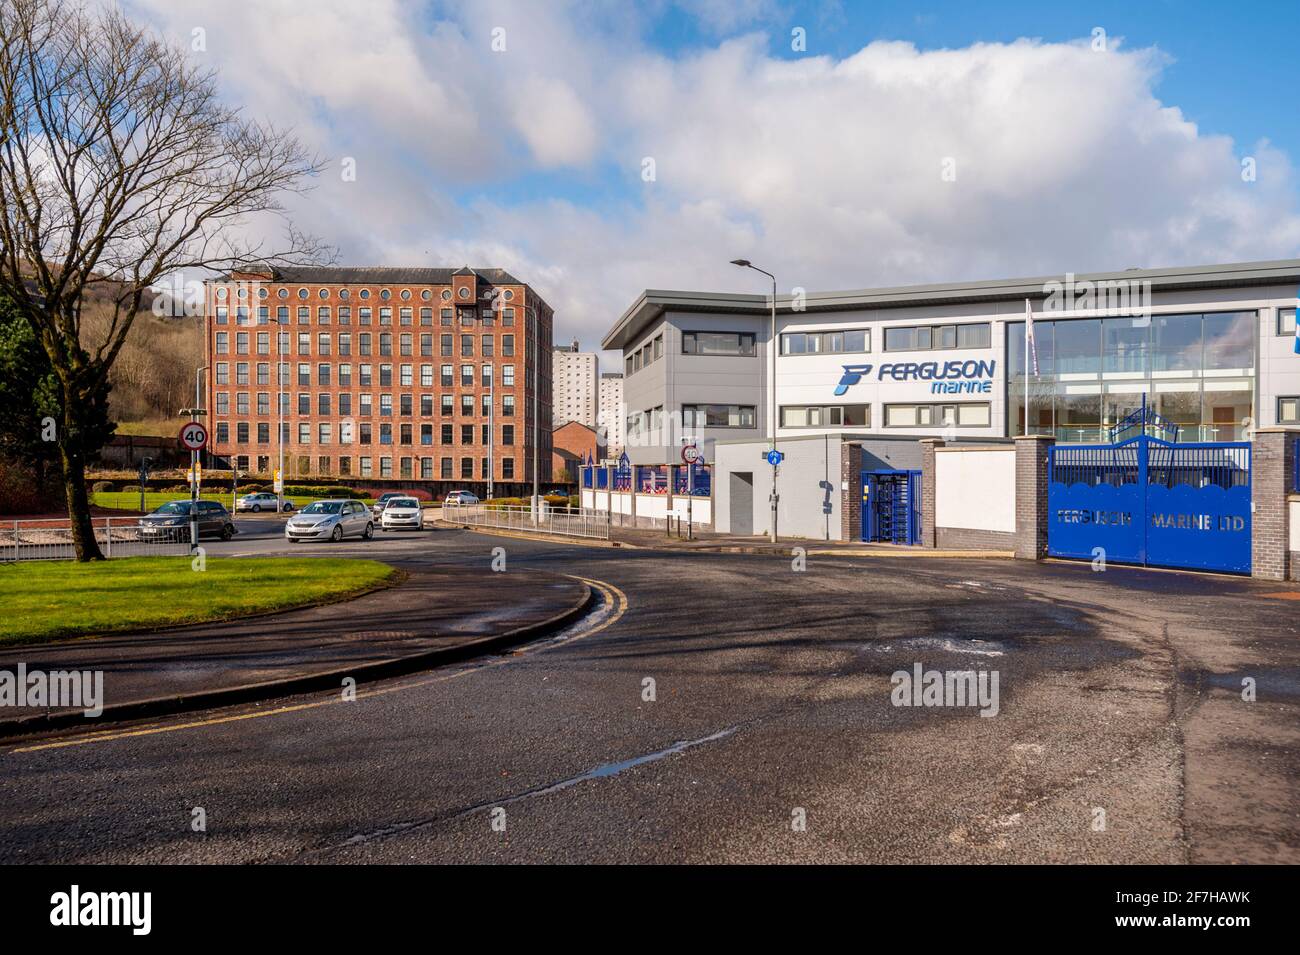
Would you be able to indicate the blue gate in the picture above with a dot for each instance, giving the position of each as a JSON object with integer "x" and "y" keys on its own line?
{"x": 1147, "y": 500}
{"x": 891, "y": 502}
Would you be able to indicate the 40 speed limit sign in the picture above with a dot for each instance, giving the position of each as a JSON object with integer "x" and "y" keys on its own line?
{"x": 194, "y": 436}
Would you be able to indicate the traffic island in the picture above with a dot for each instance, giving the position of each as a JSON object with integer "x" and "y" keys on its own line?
{"x": 49, "y": 600}
{"x": 433, "y": 617}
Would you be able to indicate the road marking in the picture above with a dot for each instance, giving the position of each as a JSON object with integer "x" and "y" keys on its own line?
{"x": 615, "y": 603}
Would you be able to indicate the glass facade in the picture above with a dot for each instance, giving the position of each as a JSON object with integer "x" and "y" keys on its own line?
{"x": 1197, "y": 370}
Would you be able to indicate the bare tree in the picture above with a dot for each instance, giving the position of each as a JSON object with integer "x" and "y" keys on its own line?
{"x": 120, "y": 166}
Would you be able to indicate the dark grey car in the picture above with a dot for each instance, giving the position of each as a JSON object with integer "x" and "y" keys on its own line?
{"x": 171, "y": 521}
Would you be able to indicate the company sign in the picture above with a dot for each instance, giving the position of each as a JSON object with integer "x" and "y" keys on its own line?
{"x": 956, "y": 377}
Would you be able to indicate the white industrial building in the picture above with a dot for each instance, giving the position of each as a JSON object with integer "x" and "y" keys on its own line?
{"x": 1210, "y": 349}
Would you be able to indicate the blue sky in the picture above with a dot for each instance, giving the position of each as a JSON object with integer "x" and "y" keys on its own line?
{"x": 908, "y": 143}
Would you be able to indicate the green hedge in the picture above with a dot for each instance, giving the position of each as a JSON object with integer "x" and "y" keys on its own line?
{"x": 331, "y": 491}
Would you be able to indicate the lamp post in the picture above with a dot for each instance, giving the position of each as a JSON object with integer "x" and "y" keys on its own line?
{"x": 281, "y": 376}
{"x": 774, "y": 497}
{"x": 492, "y": 404}
{"x": 537, "y": 427}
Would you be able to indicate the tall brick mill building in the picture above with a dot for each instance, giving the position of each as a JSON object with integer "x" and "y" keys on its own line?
{"x": 392, "y": 377}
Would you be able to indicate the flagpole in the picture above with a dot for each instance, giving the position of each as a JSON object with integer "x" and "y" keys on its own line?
{"x": 1028, "y": 329}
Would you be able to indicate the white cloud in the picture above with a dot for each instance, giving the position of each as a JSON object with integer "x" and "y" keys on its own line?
{"x": 554, "y": 122}
{"x": 826, "y": 171}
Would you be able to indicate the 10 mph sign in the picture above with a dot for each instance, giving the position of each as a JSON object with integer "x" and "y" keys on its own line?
{"x": 194, "y": 436}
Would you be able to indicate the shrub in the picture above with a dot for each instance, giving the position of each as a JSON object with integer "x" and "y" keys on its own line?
{"x": 103, "y": 486}
{"x": 131, "y": 488}
{"x": 319, "y": 491}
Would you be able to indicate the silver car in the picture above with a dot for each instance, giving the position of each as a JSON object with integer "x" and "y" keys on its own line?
{"x": 260, "y": 501}
{"x": 330, "y": 520}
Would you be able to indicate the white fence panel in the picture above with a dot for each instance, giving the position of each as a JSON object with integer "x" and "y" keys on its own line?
{"x": 562, "y": 522}
{"x": 116, "y": 536}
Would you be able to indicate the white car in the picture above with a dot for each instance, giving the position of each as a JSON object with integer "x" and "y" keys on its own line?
{"x": 461, "y": 497}
{"x": 401, "y": 513}
{"x": 261, "y": 501}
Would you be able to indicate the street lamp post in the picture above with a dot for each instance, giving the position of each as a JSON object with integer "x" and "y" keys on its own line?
{"x": 537, "y": 428}
{"x": 492, "y": 404}
{"x": 776, "y": 467}
{"x": 277, "y": 479}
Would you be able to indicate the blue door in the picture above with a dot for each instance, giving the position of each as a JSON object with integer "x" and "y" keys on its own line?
{"x": 891, "y": 503}
{"x": 1151, "y": 501}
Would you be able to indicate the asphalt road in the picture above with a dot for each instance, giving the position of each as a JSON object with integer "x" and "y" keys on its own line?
{"x": 1120, "y": 735}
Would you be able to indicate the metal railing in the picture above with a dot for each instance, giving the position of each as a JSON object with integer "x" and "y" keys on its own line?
{"x": 565, "y": 522}
{"x": 117, "y": 537}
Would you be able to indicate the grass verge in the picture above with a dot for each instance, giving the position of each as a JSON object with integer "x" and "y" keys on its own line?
{"x": 47, "y": 601}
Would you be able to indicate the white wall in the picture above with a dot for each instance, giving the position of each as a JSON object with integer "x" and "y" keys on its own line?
{"x": 809, "y": 485}
{"x": 650, "y": 505}
{"x": 1293, "y": 512}
{"x": 975, "y": 488}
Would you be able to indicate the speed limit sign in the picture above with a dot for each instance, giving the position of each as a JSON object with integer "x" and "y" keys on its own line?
{"x": 691, "y": 454}
{"x": 194, "y": 436}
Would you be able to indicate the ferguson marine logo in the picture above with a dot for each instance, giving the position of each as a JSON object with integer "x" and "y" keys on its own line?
{"x": 949, "y": 377}
{"x": 852, "y": 375}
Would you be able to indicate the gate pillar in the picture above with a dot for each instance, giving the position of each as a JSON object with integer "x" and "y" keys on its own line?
{"x": 850, "y": 492}
{"x": 928, "y": 536}
{"x": 1272, "y": 466}
{"x": 1031, "y": 495}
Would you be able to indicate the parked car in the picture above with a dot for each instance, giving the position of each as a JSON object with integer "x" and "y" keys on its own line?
{"x": 382, "y": 501}
{"x": 330, "y": 520}
{"x": 261, "y": 501}
{"x": 402, "y": 513}
{"x": 171, "y": 521}
{"x": 461, "y": 497}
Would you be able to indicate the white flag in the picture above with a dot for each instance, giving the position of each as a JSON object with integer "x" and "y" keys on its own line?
{"x": 1031, "y": 347}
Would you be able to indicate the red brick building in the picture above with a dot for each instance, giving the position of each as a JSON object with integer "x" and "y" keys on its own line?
{"x": 409, "y": 377}
{"x": 574, "y": 443}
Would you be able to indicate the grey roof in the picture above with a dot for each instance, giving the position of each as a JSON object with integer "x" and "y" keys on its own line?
{"x": 379, "y": 275}
{"x": 654, "y": 302}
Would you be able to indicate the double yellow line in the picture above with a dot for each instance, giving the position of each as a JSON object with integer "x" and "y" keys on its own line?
{"x": 615, "y": 605}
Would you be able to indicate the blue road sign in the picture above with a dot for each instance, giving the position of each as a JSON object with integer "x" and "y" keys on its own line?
{"x": 775, "y": 457}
